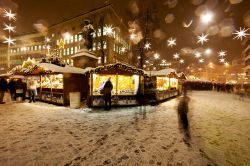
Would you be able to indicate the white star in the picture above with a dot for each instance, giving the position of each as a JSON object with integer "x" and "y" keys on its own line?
{"x": 9, "y": 40}
{"x": 171, "y": 42}
{"x": 147, "y": 45}
{"x": 222, "y": 60}
{"x": 123, "y": 49}
{"x": 181, "y": 61}
{"x": 156, "y": 56}
{"x": 9, "y": 28}
{"x": 202, "y": 38}
{"x": 222, "y": 53}
{"x": 108, "y": 30}
{"x": 201, "y": 60}
{"x": 197, "y": 55}
{"x": 241, "y": 33}
{"x": 176, "y": 56}
{"x": 11, "y": 16}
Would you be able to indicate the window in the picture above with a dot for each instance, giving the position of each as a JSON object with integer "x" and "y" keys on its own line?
{"x": 94, "y": 34}
{"x": 114, "y": 46}
{"x": 99, "y": 46}
{"x": 68, "y": 51}
{"x": 39, "y": 47}
{"x": 94, "y": 46}
{"x": 71, "y": 62}
{"x": 79, "y": 37}
{"x": 72, "y": 50}
{"x": 104, "y": 45}
{"x": 72, "y": 39}
{"x": 64, "y": 51}
{"x": 99, "y": 60}
{"x": 35, "y": 48}
{"x": 11, "y": 50}
{"x": 76, "y": 49}
{"x": 99, "y": 32}
{"x": 76, "y": 37}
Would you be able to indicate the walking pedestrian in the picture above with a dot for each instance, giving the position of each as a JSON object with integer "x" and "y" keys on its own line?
{"x": 3, "y": 89}
{"x": 32, "y": 90}
{"x": 107, "y": 93}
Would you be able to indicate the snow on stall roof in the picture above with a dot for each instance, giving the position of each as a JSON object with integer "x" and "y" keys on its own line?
{"x": 162, "y": 72}
{"x": 60, "y": 69}
{"x": 83, "y": 52}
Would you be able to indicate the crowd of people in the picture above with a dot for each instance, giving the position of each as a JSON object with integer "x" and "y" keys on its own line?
{"x": 17, "y": 89}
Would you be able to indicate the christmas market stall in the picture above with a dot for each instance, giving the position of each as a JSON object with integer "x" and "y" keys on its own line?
{"x": 163, "y": 84}
{"x": 54, "y": 82}
{"x": 127, "y": 84}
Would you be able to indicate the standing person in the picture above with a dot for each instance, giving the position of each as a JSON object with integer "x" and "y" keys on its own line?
{"x": 32, "y": 90}
{"x": 11, "y": 86}
{"x": 3, "y": 89}
{"x": 24, "y": 89}
{"x": 107, "y": 93}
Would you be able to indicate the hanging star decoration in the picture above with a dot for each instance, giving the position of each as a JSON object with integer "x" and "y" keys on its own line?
{"x": 171, "y": 42}
{"x": 201, "y": 60}
{"x": 147, "y": 46}
{"x": 9, "y": 40}
{"x": 197, "y": 54}
{"x": 9, "y": 15}
{"x": 108, "y": 30}
{"x": 222, "y": 53}
{"x": 241, "y": 33}
{"x": 176, "y": 56}
{"x": 202, "y": 38}
{"x": 182, "y": 61}
{"x": 222, "y": 60}
{"x": 9, "y": 28}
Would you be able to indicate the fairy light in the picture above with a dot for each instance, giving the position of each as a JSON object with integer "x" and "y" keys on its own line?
{"x": 9, "y": 28}
{"x": 156, "y": 56}
{"x": 197, "y": 54}
{"x": 181, "y": 61}
{"x": 222, "y": 53}
{"x": 9, "y": 40}
{"x": 108, "y": 30}
{"x": 147, "y": 46}
{"x": 9, "y": 15}
{"x": 176, "y": 56}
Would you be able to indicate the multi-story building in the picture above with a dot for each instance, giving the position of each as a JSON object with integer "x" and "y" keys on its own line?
{"x": 109, "y": 39}
{"x": 246, "y": 54}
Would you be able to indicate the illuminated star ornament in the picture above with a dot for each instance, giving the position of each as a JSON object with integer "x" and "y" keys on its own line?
{"x": 176, "y": 56}
{"x": 181, "y": 61}
{"x": 197, "y": 55}
{"x": 9, "y": 40}
{"x": 9, "y": 15}
{"x": 147, "y": 45}
{"x": 171, "y": 42}
{"x": 9, "y": 28}
{"x": 222, "y": 53}
{"x": 201, "y": 60}
{"x": 241, "y": 33}
{"x": 222, "y": 60}
{"x": 108, "y": 30}
{"x": 202, "y": 38}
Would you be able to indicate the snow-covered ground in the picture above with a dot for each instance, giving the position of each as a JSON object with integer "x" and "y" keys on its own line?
{"x": 43, "y": 134}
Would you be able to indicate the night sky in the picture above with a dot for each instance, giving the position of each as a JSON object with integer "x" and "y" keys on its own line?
{"x": 227, "y": 17}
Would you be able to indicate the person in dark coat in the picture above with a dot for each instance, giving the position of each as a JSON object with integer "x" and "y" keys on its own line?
{"x": 3, "y": 89}
{"x": 19, "y": 89}
{"x": 107, "y": 94}
{"x": 11, "y": 86}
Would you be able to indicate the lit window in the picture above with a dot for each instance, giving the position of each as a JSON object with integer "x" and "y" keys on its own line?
{"x": 105, "y": 59}
{"x": 64, "y": 51}
{"x": 31, "y": 48}
{"x": 79, "y": 37}
{"x": 68, "y": 62}
{"x": 114, "y": 46}
{"x": 99, "y": 46}
{"x": 35, "y": 48}
{"x": 76, "y": 38}
{"x": 68, "y": 51}
{"x": 57, "y": 42}
{"x": 11, "y": 50}
{"x": 52, "y": 35}
{"x": 72, "y": 62}
{"x": 72, "y": 39}
{"x": 94, "y": 46}
{"x": 94, "y": 34}
{"x": 99, "y": 60}
{"x": 72, "y": 50}
{"x": 76, "y": 49}
{"x": 114, "y": 33}
{"x": 104, "y": 44}
{"x": 99, "y": 32}
{"x": 39, "y": 47}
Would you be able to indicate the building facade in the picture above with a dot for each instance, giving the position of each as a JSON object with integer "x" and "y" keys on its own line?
{"x": 246, "y": 54}
{"x": 109, "y": 40}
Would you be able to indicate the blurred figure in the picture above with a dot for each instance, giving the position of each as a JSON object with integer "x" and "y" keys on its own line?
{"x": 19, "y": 89}
{"x": 3, "y": 89}
{"x": 32, "y": 90}
{"x": 24, "y": 89}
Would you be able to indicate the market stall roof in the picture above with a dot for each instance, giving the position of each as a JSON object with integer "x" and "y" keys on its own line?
{"x": 119, "y": 65}
{"x": 163, "y": 72}
{"x": 60, "y": 69}
{"x": 5, "y": 75}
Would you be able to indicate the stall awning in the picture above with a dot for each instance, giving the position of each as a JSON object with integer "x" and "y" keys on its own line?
{"x": 164, "y": 72}
{"x": 59, "y": 69}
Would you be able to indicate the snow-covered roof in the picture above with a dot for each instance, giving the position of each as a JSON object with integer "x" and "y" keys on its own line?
{"x": 84, "y": 52}
{"x": 5, "y": 75}
{"x": 163, "y": 72}
{"x": 60, "y": 69}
